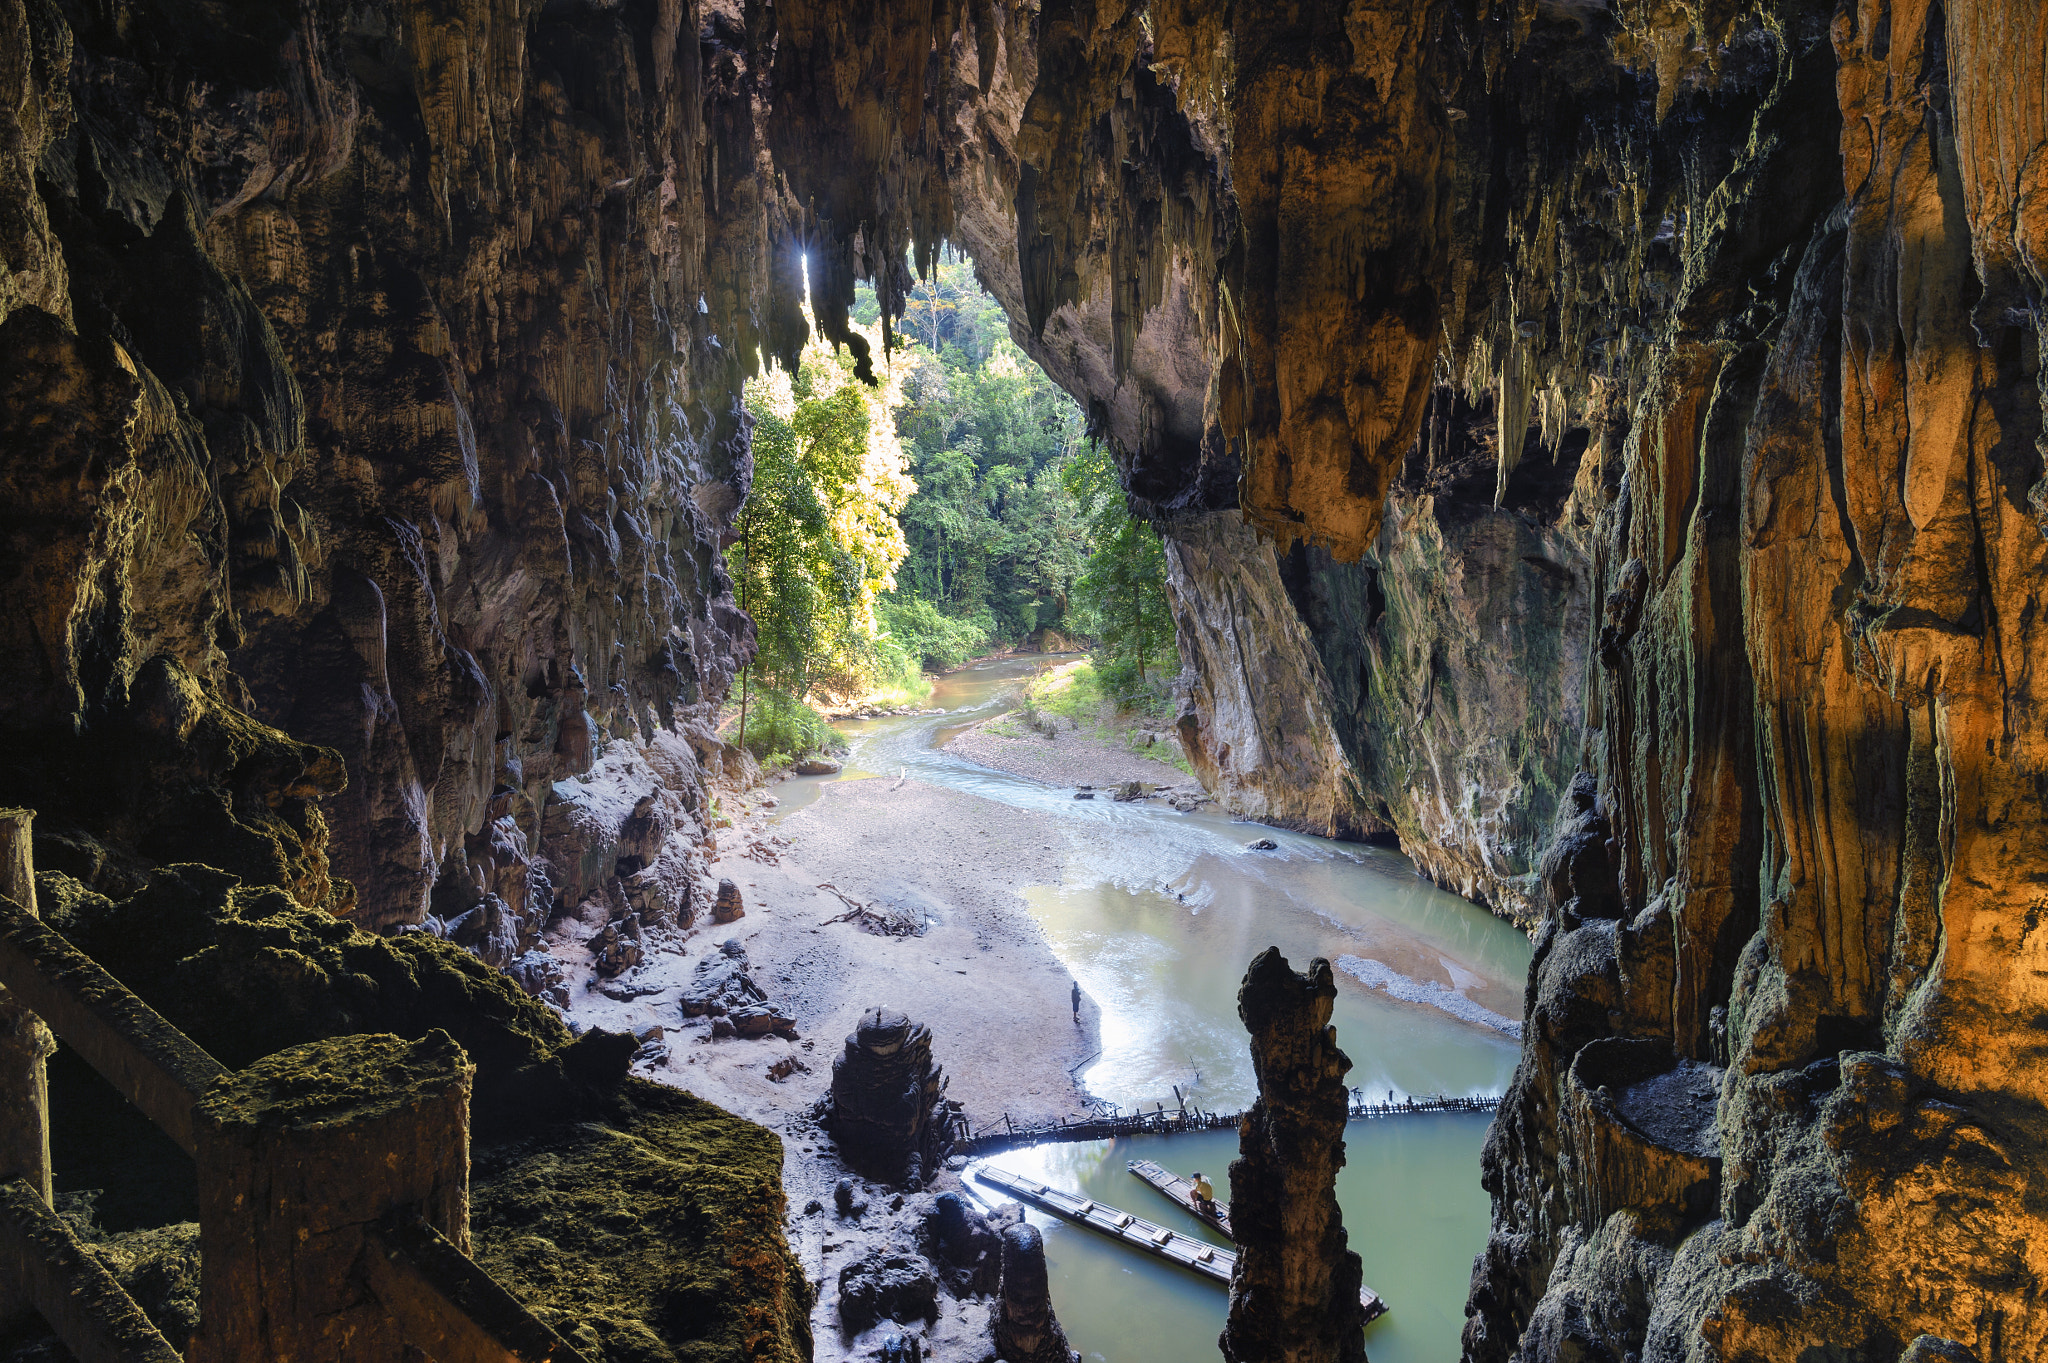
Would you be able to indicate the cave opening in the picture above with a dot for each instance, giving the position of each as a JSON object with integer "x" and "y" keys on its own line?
{"x": 678, "y": 676}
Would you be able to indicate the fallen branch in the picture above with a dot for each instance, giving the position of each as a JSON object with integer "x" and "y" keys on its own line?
{"x": 843, "y": 897}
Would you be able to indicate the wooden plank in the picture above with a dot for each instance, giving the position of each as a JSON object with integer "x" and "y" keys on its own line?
{"x": 448, "y": 1306}
{"x": 1140, "y": 1234}
{"x": 55, "y": 1272}
{"x": 149, "y": 1062}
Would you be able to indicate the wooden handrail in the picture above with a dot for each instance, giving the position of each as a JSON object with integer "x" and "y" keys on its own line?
{"x": 447, "y": 1305}
{"x": 68, "y": 1285}
{"x": 256, "y": 1139}
{"x": 151, "y": 1063}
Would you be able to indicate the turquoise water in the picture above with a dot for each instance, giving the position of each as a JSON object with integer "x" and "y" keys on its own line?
{"x": 1412, "y": 1206}
{"x": 1157, "y": 915}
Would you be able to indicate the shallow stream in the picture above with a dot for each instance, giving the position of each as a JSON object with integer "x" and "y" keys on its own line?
{"x": 1157, "y": 915}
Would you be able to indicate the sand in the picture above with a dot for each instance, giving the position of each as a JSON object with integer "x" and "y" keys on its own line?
{"x": 1068, "y": 760}
{"x": 981, "y": 974}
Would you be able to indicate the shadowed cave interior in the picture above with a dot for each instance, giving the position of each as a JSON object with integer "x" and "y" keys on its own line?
{"x": 1595, "y": 454}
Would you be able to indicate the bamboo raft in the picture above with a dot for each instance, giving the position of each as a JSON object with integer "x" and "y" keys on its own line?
{"x": 1008, "y": 1135}
{"x": 1209, "y": 1260}
{"x": 1182, "y": 1192}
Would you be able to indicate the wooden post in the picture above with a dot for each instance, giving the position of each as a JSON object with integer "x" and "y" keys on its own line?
{"x": 300, "y": 1156}
{"x": 25, "y": 1046}
{"x": 25, "y": 1043}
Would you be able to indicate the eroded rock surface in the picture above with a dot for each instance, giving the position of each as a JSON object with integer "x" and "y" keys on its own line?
{"x": 372, "y": 371}
{"x": 1294, "y": 1293}
{"x": 887, "y": 1106}
{"x": 375, "y": 368}
{"x": 1026, "y": 1329}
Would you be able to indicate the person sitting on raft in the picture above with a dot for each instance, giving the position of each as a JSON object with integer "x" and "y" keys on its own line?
{"x": 1205, "y": 1195}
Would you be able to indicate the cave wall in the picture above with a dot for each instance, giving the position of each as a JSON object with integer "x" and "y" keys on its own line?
{"x": 374, "y": 370}
{"x": 377, "y": 365}
{"x": 1739, "y": 304}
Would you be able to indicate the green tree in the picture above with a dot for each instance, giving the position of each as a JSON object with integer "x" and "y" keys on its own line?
{"x": 818, "y": 536}
{"x": 1121, "y": 592}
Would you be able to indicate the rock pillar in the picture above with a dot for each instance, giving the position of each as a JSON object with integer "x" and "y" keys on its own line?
{"x": 25, "y": 1043}
{"x": 1294, "y": 1296}
{"x": 1026, "y": 1329}
{"x": 887, "y": 1108}
{"x": 299, "y": 1157}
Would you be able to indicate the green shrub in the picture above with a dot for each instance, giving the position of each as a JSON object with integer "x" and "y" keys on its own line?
{"x": 778, "y": 724}
{"x": 919, "y": 634}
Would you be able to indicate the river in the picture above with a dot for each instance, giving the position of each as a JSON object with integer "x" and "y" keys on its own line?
{"x": 1157, "y": 915}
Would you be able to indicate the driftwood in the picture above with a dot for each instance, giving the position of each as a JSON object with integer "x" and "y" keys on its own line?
{"x": 874, "y": 918}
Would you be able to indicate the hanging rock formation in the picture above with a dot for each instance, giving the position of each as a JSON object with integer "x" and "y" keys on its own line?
{"x": 1294, "y": 1294}
{"x": 1656, "y": 390}
{"x": 376, "y": 368}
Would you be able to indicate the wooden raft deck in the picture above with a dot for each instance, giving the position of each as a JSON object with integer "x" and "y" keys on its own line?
{"x": 1182, "y": 1191}
{"x": 1204, "y": 1258}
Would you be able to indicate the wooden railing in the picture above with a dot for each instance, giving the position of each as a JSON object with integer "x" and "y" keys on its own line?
{"x": 333, "y": 1177}
{"x": 1008, "y": 1135}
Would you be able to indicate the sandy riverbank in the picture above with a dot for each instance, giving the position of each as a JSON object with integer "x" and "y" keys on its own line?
{"x": 980, "y": 975}
{"x": 1066, "y": 760}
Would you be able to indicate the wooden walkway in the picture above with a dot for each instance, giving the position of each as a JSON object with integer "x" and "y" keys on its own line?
{"x": 1008, "y": 1135}
{"x": 1211, "y": 1261}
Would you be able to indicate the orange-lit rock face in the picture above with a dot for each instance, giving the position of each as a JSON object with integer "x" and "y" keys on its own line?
{"x": 1819, "y": 761}
{"x": 1641, "y": 404}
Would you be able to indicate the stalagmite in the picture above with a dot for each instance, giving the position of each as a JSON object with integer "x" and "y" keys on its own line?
{"x": 887, "y": 1106}
{"x": 1294, "y": 1296}
{"x": 1026, "y": 1329}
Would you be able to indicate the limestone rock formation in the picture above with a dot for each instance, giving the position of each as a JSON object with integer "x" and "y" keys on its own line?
{"x": 369, "y": 429}
{"x": 966, "y": 1248}
{"x": 1026, "y": 1329}
{"x": 377, "y": 369}
{"x": 1744, "y": 303}
{"x": 887, "y": 1107}
{"x": 1294, "y": 1294}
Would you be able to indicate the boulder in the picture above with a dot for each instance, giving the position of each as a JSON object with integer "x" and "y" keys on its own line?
{"x": 1127, "y": 792}
{"x": 886, "y": 1286}
{"x": 816, "y": 766}
{"x": 542, "y": 976}
{"x": 720, "y": 983}
{"x": 489, "y": 930}
{"x": 618, "y": 946}
{"x": 1261, "y": 845}
{"x": 729, "y": 905}
{"x": 959, "y": 1241}
{"x": 761, "y": 1019}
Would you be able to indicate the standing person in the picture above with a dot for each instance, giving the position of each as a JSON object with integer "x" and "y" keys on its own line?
{"x": 1077, "y": 1003}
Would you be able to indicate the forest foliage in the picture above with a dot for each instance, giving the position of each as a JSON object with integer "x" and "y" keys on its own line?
{"x": 956, "y": 506}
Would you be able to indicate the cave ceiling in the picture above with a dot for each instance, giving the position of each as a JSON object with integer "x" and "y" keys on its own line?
{"x": 1598, "y": 442}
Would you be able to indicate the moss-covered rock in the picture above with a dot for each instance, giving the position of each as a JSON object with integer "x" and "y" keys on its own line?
{"x": 650, "y": 1236}
{"x": 644, "y": 1222}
